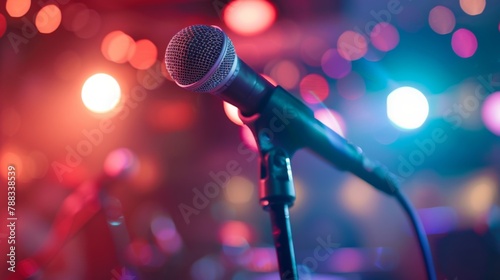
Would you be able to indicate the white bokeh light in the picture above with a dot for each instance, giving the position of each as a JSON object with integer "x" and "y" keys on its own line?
{"x": 101, "y": 93}
{"x": 407, "y": 107}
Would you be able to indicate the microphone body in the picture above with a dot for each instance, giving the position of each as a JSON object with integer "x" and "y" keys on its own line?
{"x": 226, "y": 76}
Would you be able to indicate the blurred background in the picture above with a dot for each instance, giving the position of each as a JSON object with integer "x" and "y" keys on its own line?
{"x": 122, "y": 175}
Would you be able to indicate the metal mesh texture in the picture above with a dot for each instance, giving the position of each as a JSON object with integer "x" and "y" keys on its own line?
{"x": 193, "y": 52}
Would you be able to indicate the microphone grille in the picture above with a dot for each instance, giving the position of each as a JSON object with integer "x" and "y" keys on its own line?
{"x": 193, "y": 58}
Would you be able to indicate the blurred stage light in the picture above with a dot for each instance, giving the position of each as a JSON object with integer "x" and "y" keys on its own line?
{"x": 239, "y": 190}
{"x": 101, "y": 93}
{"x": 17, "y": 8}
{"x": 351, "y": 87}
{"x": 235, "y": 233}
{"x": 144, "y": 55}
{"x": 473, "y": 7}
{"x": 207, "y": 268}
{"x": 3, "y": 25}
{"x": 286, "y": 74}
{"x": 384, "y": 36}
{"x": 352, "y": 45}
{"x": 491, "y": 112}
{"x": 331, "y": 119}
{"x": 118, "y": 46}
{"x": 119, "y": 162}
{"x": 442, "y": 20}
{"x": 334, "y": 65}
{"x": 314, "y": 88}
{"x": 48, "y": 19}
{"x": 407, "y": 107}
{"x": 478, "y": 196}
{"x": 249, "y": 17}
{"x": 464, "y": 43}
{"x": 350, "y": 198}
{"x": 232, "y": 113}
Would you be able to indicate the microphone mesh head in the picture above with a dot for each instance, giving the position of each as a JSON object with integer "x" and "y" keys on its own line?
{"x": 200, "y": 58}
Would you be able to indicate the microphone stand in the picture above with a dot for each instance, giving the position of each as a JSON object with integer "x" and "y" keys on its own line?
{"x": 277, "y": 193}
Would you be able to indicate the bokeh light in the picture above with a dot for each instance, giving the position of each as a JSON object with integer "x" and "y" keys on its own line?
{"x": 3, "y": 25}
{"x": 384, "y": 36}
{"x": 331, "y": 119}
{"x": 478, "y": 195}
{"x": 314, "y": 88}
{"x": 473, "y": 7}
{"x": 118, "y": 46}
{"x": 352, "y": 45}
{"x": 442, "y": 20}
{"x": 101, "y": 93}
{"x": 232, "y": 113}
{"x": 235, "y": 233}
{"x": 207, "y": 268}
{"x": 407, "y": 107}
{"x": 249, "y": 17}
{"x": 48, "y": 19}
{"x": 166, "y": 234}
{"x": 351, "y": 87}
{"x": 346, "y": 260}
{"x": 286, "y": 74}
{"x": 491, "y": 112}
{"x": 119, "y": 161}
{"x": 144, "y": 55}
{"x": 334, "y": 65}
{"x": 17, "y": 8}
{"x": 358, "y": 197}
{"x": 464, "y": 43}
{"x": 239, "y": 190}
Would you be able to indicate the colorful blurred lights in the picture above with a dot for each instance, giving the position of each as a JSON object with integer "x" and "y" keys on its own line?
{"x": 144, "y": 55}
{"x": 464, "y": 43}
{"x": 407, "y": 107}
{"x": 384, "y": 36}
{"x": 352, "y": 45}
{"x": 101, "y": 93}
{"x": 491, "y": 112}
{"x": 314, "y": 89}
{"x": 48, "y": 19}
{"x": 473, "y": 7}
{"x": 442, "y": 20}
{"x": 17, "y": 8}
{"x": 249, "y": 17}
{"x": 117, "y": 46}
{"x": 239, "y": 190}
{"x": 334, "y": 65}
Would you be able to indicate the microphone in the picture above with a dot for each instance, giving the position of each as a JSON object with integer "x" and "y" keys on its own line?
{"x": 202, "y": 59}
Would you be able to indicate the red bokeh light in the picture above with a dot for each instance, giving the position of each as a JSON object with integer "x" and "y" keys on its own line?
{"x": 314, "y": 89}
{"x": 249, "y": 17}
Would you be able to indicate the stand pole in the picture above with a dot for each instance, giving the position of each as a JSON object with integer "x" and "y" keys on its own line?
{"x": 276, "y": 196}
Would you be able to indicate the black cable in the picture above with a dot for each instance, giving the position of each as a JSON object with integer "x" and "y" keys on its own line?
{"x": 420, "y": 233}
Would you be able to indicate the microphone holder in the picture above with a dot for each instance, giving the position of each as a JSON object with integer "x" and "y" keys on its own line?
{"x": 276, "y": 191}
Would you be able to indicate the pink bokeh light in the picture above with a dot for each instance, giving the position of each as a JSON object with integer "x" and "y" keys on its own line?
{"x": 334, "y": 65}
{"x": 491, "y": 112}
{"x": 384, "y": 36}
{"x": 464, "y": 43}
